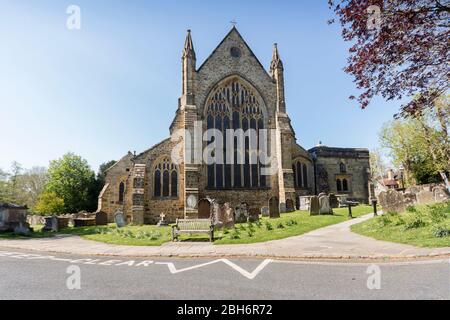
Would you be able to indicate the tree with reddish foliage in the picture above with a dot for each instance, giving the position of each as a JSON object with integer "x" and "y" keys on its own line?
{"x": 400, "y": 48}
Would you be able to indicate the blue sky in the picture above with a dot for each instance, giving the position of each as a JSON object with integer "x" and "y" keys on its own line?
{"x": 113, "y": 85}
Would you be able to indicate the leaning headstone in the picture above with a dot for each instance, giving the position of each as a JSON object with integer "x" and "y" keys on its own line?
{"x": 440, "y": 194}
{"x": 314, "y": 206}
{"x": 324, "y": 205}
{"x": 253, "y": 215}
{"x": 265, "y": 212}
{"x": 119, "y": 218}
{"x": 101, "y": 218}
{"x": 241, "y": 213}
{"x": 425, "y": 197}
{"x": 334, "y": 203}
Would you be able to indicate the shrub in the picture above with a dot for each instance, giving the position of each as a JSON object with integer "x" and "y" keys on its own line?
{"x": 280, "y": 226}
{"x": 385, "y": 220}
{"x": 250, "y": 233}
{"x": 291, "y": 222}
{"x": 416, "y": 222}
{"x": 438, "y": 212}
{"x": 399, "y": 221}
{"x": 258, "y": 224}
{"x": 226, "y": 231}
{"x": 411, "y": 209}
{"x": 441, "y": 231}
{"x": 155, "y": 235}
{"x": 235, "y": 235}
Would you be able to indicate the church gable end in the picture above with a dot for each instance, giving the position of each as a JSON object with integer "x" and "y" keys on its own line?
{"x": 233, "y": 57}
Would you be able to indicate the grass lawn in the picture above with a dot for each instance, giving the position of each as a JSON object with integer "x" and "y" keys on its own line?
{"x": 423, "y": 226}
{"x": 288, "y": 225}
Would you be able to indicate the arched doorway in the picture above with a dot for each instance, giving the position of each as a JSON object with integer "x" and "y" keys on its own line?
{"x": 204, "y": 209}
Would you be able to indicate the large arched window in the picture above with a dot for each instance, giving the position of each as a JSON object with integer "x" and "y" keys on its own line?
{"x": 236, "y": 105}
{"x": 121, "y": 192}
{"x": 165, "y": 179}
{"x": 300, "y": 170}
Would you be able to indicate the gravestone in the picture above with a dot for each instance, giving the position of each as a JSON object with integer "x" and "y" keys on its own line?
{"x": 290, "y": 205}
{"x": 241, "y": 213}
{"x": 305, "y": 203}
{"x": 265, "y": 211}
{"x": 391, "y": 201}
{"x": 425, "y": 197}
{"x": 324, "y": 205}
{"x": 204, "y": 209}
{"x": 409, "y": 199}
{"x": 334, "y": 203}
{"x": 119, "y": 219}
{"x": 22, "y": 229}
{"x": 51, "y": 224}
{"x": 253, "y": 214}
{"x": 274, "y": 207}
{"x": 12, "y": 216}
{"x": 63, "y": 222}
{"x": 101, "y": 218}
{"x": 314, "y": 206}
{"x": 162, "y": 222}
{"x": 226, "y": 216}
{"x": 440, "y": 194}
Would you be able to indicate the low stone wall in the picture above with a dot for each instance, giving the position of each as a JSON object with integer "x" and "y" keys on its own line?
{"x": 40, "y": 220}
{"x": 395, "y": 201}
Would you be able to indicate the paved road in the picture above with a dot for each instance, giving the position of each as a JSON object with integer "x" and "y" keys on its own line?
{"x": 42, "y": 276}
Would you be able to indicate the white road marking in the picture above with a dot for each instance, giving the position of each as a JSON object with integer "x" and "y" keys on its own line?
{"x": 242, "y": 271}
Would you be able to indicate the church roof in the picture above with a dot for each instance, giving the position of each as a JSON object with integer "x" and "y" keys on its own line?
{"x": 234, "y": 30}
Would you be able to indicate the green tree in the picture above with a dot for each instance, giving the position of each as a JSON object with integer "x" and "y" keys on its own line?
{"x": 16, "y": 171}
{"x": 420, "y": 145}
{"x": 71, "y": 179}
{"x": 377, "y": 164}
{"x": 49, "y": 203}
{"x": 31, "y": 184}
{"x": 98, "y": 184}
{"x": 4, "y": 187}
{"x": 101, "y": 175}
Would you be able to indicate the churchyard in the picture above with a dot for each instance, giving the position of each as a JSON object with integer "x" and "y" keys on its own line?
{"x": 265, "y": 229}
{"x": 418, "y": 225}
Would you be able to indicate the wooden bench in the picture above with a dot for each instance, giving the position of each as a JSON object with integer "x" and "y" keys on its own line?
{"x": 191, "y": 226}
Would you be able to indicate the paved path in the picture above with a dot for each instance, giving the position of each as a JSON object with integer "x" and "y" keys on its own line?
{"x": 332, "y": 242}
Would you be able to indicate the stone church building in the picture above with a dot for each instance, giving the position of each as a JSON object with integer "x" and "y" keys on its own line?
{"x": 230, "y": 90}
